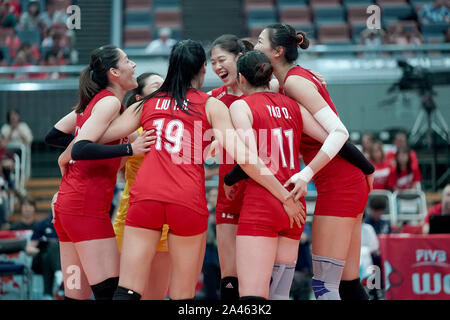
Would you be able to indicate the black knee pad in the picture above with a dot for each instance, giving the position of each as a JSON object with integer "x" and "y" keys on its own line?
{"x": 229, "y": 289}
{"x": 126, "y": 294}
{"x": 352, "y": 290}
{"x": 105, "y": 289}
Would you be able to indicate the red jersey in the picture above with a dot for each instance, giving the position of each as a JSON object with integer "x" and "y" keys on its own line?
{"x": 87, "y": 187}
{"x": 404, "y": 180}
{"x": 172, "y": 171}
{"x": 278, "y": 125}
{"x": 435, "y": 210}
{"x": 338, "y": 172}
{"x": 227, "y": 162}
{"x": 381, "y": 174}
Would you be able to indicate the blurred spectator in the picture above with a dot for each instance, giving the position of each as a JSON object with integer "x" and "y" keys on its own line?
{"x": 211, "y": 267}
{"x": 52, "y": 15}
{"x": 372, "y": 38}
{"x": 52, "y": 60}
{"x": 163, "y": 44}
{"x": 404, "y": 35}
{"x": 367, "y": 140}
{"x": 44, "y": 247}
{"x": 13, "y": 42}
{"x": 31, "y": 19}
{"x": 369, "y": 256}
{"x": 7, "y": 163}
{"x": 27, "y": 213}
{"x": 369, "y": 247}
{"x": 383, "y": 168}
{"x": 400, "y": 140}
{"x": 3, "y": 61}
{"x": 13, "y": 7}
{"x": 405, "y": 176}
{"x": 16, "y": 131}
{"x": 442, "y": 208}
{"x": 377, "y": 207}
{"x": 302, "y": 286}
{"x": 435, "y": 12}
{"x": 7, "y": 19}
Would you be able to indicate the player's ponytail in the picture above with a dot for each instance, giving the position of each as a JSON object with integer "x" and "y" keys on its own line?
{"x": 94, "y": 78}
{"x": 256, "y": 68}
{"x": 185, "y": 63}
{"x": 284, "y": 35}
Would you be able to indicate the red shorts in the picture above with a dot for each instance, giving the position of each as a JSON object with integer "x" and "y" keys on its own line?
{"x": 227, "y": 211}
{"x": 348, "y": 201}
{"x": 78, "y": 228}
{"x": 263, "y": 215}
{"x": 182, "y": 221}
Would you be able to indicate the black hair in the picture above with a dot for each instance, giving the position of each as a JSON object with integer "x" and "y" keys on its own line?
{"x": 141, "y": 80}
{"x": 232, "y": 44}
{"x": 186, "y": 59}
{"x": 256, "y": 68}
{"x": 284, "y": 35}
{"x": 377, "y": 204}
{"x": 27, "y": 200}
{"x": 94, "y": 78}
{"x": 8, "y": 114}
{"x": 408, "y": 164}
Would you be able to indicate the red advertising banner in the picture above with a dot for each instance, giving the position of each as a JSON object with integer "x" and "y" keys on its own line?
{"x": 416, "y": 267}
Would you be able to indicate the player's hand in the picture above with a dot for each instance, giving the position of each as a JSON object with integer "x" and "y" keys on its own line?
{"x": 213, "y": 149}
{"x": 230, "y": 191}
{"x": 369, "y": 179}
{"x": 52, "y": 205}
{"x": 300, "y": 187}
{"x": 142, "y": 143}
{"x": 62, "y": 165}
{"x": 295, "y": 211}
{"x": 320, "y": 77}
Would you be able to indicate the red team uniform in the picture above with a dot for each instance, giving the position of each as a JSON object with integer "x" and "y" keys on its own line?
{"x": 277, "y": 122}
{"x": 381, "y": 174}
{"x": 405, "y": 180}
{"x": 170, "y": 184}
{"x": 342, "y": 190}
{"x": 86, "y": 192}
{"x": 227, "y": 211}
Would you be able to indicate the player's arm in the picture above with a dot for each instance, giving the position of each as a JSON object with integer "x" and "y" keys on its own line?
{"x": 105, "y": 111}
{"x": 219, "y": 118}
{"x": 242, "y": 119}
{"x": 305, "y": 92}
{"x": 62, "y": 133}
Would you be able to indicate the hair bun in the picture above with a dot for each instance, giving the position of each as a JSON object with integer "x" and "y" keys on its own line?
{"x": 302, "y": 40}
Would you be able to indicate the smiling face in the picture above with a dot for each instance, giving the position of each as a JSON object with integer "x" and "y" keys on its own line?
{"x": 125, "y": 72}
{"x": 224, "y": 65}
{"x": 264, "y": 45}
{"x": 152, "y": 84}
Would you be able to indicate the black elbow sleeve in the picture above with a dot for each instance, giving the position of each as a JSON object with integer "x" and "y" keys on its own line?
{"x": 87, "y": 150}
{"x": 235, "y": 175}
{"x": 57, "y": 138}
{"x": 351, "y": 153}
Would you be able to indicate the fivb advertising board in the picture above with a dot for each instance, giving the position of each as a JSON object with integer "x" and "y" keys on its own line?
{"x": 416, "y": 267}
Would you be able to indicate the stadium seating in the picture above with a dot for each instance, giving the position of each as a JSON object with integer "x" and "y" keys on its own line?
{"x": 411, "y": 206}
{"x": 144, "y": 18}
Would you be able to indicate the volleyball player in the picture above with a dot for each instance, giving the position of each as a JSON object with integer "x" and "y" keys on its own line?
{"x": 158, "y": 279}
{"x": 342, "y": 188}
{"x": 271, "y": 124}
{"x": 87, "y": 241}
{"x": 225, "y": 51}
{"x": 169, "y": 186}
